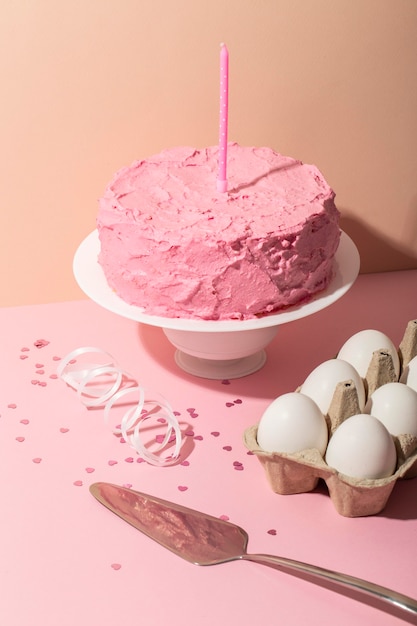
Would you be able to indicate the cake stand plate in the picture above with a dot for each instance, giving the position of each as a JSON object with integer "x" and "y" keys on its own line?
{"x": 218, "y": 349}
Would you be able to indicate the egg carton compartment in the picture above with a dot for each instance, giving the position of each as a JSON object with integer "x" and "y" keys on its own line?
{"x": 300, "y": 473}
{"x": 352, "y": 497}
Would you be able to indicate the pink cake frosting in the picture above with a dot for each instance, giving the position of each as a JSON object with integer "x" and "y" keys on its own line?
{"x": 175, "y": 246}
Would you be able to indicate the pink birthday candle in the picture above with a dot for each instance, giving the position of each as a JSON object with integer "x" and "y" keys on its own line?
{"x": 224, "y": 115}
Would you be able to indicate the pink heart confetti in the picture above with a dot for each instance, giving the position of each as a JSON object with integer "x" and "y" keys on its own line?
{"x": 63, "y": 430}
{"x": 56, "y": 358}
{"x": 25, "y": 422}
{"x": 226, "y": 382}
{"x": 12, "y": 406}
{"x": 199, "y": 437}
{"x": 37, "y": 459}
{"x": 42, "y": 383}
{"x": 129, "y": 459}
{"x": 23, "y": 356}
{"x": 78, "y": 483}
{"x": 89, "y": 470}
{"x": 41, "y": 343}
{"x": 182, "y": 488}
{"x": 34, "y": 382}
{"x": 238, "y": 401}
{"x": 272, "y": 531}
{"x": 40, "y": 372}
{"x": 25, "y": 349}
{"x": 215, "y": 433}
{"x": 116, "y": 566}
{"x": 189, "y": 433}
{"x": 112, "y": 462}
{"x": 161, "y": 438}
{"x": 127, "y": 485}
{"x": 229, "y": 404}
{"x": 227, "y": 448}
{"x": 39, "y": 365}
{"x": 20, "y": 439}
{"x": 53, "y": 376}
{"x": 185, "y": 463}
{"x": 225, "y": 518}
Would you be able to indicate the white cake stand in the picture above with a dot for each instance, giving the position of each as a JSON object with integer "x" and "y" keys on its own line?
{"x": 215, "y": 349}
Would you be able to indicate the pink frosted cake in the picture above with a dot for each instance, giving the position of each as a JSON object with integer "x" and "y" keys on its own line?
{"x": 175, "y": 246}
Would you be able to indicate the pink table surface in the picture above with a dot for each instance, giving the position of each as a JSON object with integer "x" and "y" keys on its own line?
{"x": 66, "y": 560}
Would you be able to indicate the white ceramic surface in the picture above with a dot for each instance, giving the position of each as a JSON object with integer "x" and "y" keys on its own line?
{"x": 215, "y": 349}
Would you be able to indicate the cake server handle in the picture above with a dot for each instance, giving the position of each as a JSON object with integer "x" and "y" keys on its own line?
{"x": 398, "y": 600}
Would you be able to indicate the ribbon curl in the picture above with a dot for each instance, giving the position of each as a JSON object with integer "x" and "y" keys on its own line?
{"x": 103, "y": 383}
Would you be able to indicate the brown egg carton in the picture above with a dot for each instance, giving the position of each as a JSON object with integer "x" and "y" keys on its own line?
{"x": 301, "y": 472}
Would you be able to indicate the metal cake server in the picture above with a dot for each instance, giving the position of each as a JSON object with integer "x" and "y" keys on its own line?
{"x": 206, "y": 540}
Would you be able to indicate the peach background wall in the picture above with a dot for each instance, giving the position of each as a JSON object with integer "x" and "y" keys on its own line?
{"x": 88, "y": 86}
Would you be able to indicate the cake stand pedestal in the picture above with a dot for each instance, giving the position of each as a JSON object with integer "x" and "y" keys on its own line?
{"x": 215, "y": 349}
{"x": 221, "y": 355}
{"x": 220, "y": 370}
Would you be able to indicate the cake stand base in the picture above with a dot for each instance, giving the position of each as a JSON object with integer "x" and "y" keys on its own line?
{"x": 217, "y": 369}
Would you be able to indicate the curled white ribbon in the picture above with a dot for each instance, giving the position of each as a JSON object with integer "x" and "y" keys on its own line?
{"x": 104, "y": 383}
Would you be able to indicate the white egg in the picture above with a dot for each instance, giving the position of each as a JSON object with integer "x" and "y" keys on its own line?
{"x": 395, "y": 405}
{"x": 291, "y": 423}
{"x": 409, "y": 375}
{"x": 361, "y": 447}
{"x": 321, "y": 383}
{"x": 359, "y": 348}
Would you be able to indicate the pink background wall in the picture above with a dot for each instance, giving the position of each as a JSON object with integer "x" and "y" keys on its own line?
{"x": 90, "y": 85}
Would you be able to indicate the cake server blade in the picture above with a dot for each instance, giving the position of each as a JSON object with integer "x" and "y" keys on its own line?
{"x": 206, "y": 540}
